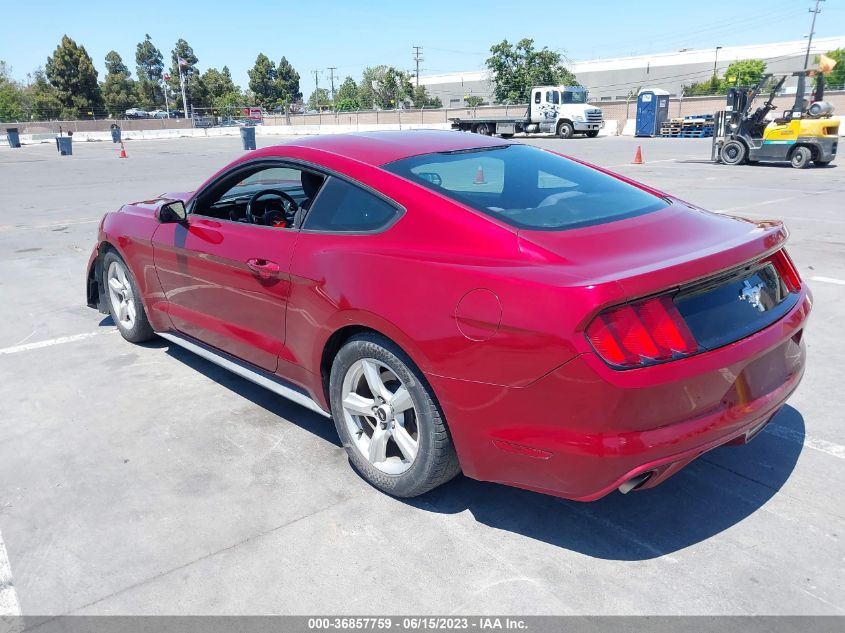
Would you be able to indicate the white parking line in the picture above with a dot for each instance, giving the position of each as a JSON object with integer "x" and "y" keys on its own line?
{"x": 829, "y": 280}
{"x": 834, "y": 450}
{"x": 49, "y": 342}
{"x": 9, "y": 604}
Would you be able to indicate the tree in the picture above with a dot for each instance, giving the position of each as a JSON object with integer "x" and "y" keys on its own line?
{"x": 319, "y": 99}
{"x": 422, "y": 99}
{"x": 216, "y": 84}
{"x": 836, "y": 77}
{"x": 384, "y": 87}
{"x": 220, "y": 91}
{"x": 194, "y": 92}
{"x": 516, "y": 68}
{"x": 41, "y": 98}
{"x": 150, "y": 67}
{"x": 262, "y": 81}
{"x": 230, "y": 102}
{"x": 710, "y": 87}
{"x": 473, "y": 101}
{"x": 346, "y": 98}
{"x": 287, "y": 83}
{"x": 11, "y": 96}
{"x": 71, "y": 71}
{"x": 119, "y": 90}
{"x": 746, "y": 72}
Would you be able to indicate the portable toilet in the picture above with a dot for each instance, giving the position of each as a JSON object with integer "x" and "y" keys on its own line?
{"x": 652, "y": 110}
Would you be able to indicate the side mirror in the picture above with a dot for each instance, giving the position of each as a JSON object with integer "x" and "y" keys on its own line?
{"x": 173, "y": 212}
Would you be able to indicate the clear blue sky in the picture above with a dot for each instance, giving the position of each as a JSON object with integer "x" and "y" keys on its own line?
{"x": 455, "y": 35}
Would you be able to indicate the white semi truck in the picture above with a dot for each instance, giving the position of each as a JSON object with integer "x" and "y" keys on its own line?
{"x": 562, "y": 110}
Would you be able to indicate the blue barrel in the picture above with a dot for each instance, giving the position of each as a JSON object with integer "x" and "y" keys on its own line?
{"x": 248, "y": 137}
{"x": 65, "y": 145}
{"x": 13, "y": 137}
{"x": 115, "y": 133}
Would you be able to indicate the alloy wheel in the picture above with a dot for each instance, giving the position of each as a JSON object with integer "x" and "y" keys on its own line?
{"x": 120, "y": 294}
{"x": 380, "y": 416}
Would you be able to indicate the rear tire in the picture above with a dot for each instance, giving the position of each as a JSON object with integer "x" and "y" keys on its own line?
{"x": 801, "y": 157}
{"x": 565, "y": 129}
{"x": 483, "y": 129}
{"x": 388, "y": 420}
{"x": 124, "y": 300}
{"x": 732, "y": 153}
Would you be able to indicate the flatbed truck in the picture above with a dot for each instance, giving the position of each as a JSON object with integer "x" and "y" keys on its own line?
{"x": 562, "y": 110}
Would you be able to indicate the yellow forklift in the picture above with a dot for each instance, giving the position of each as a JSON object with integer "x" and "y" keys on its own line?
{"x": 804, "y": 134}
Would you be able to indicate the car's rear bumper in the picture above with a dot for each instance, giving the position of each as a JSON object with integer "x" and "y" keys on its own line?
{"x": 584, "y": 429}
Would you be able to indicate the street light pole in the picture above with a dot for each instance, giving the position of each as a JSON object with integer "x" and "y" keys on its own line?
{"x": 715, "y": 59}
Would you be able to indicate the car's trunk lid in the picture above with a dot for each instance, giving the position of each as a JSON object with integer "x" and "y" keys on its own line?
{"x": 657, "y": 251}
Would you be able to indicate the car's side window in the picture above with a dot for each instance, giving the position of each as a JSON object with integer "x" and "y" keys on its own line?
{"x": 343, "y": 207}
{"x": 264, "y": 195}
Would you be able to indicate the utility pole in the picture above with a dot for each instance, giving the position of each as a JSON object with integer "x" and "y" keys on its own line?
{"x": 331, "y": 77}
{"x": 815, "y": 12}
{"x": 316, "y": 87}
{"x": 418, "y": 58}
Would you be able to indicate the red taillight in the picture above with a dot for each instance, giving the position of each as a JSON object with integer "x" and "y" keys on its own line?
{"x": 786, "y": 270}
{"x": 641, "y": 333}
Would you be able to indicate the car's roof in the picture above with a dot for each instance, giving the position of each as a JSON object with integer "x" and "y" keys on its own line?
{"x": 380, "y": 148}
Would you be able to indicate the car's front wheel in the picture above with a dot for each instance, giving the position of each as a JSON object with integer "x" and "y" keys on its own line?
{"x": 125, "y": 306}
{"x": 387, "y": 418}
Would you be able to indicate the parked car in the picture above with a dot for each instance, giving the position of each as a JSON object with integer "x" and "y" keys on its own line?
{"x": 461, "y": 302}
{"x": 158, "y": 114}
{"x": 136, "y": 113}
{"x": 177, "y": 114}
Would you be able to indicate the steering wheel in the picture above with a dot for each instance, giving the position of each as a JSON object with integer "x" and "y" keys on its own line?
{"x": 267, "y": 217}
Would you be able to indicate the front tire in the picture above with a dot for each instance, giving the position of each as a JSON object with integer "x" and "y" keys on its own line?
{"x": 388, "y": 420}
{"x": 732, "y": 153}
{"x": 565, "y": 129}
{"x": 592, "y": 134}
{"x": 801, "y": 157}
{"x": 124, "y": 300}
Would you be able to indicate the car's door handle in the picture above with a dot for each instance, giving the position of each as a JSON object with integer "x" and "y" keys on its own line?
{"x": 264, "y": 267}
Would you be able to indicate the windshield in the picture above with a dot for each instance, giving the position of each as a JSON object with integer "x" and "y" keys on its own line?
{"x": 574, "y": 97}
{"x": 527, "y": 187}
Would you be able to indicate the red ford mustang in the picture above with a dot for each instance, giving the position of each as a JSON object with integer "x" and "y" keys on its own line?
{"x": 462, "y": 303}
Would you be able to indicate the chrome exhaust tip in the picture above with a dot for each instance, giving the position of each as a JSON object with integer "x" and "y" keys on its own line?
{"x": 634, "y": 482}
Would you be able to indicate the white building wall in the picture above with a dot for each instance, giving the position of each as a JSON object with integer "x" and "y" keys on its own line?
{"x": 613, "y": 78}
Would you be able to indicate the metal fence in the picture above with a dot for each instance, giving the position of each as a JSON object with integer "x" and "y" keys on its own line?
{"x": 618, "y": 110}
{"x": 418, "y": 116}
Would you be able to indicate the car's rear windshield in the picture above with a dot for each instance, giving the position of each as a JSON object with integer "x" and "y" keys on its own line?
{"x": 527, "y": 187}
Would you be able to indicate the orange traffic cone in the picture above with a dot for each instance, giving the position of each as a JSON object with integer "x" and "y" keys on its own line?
{"x": 122, "y": 151}
{"x": 638, "y": 157}
{"x": 479, "y": 176}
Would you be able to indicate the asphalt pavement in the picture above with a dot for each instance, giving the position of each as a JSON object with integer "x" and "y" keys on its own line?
{"x": 145, "y": 480}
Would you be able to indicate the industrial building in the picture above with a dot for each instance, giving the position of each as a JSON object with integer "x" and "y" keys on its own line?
{"x": 614, "y": 79}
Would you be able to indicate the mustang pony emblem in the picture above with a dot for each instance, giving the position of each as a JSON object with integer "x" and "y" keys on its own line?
{"x": 753, "y": 295}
